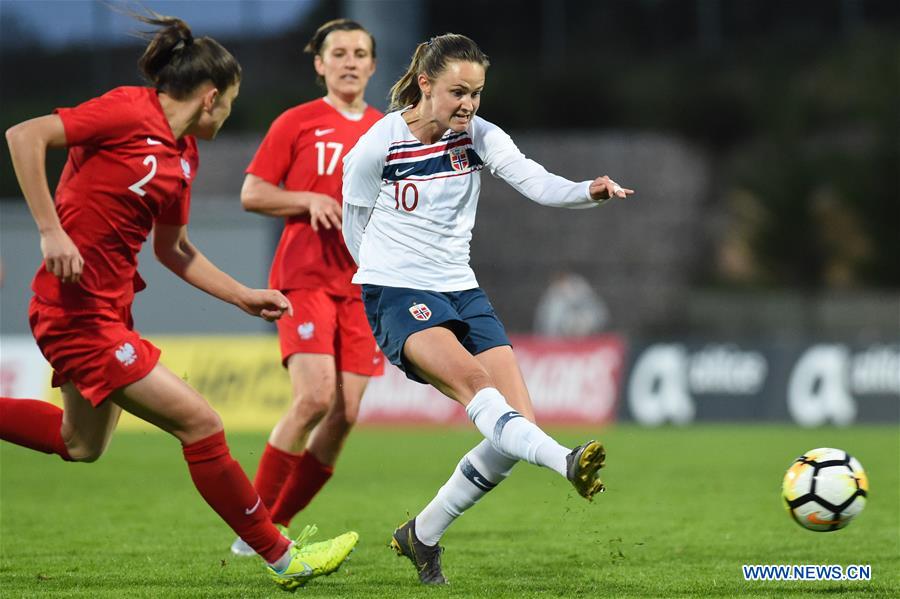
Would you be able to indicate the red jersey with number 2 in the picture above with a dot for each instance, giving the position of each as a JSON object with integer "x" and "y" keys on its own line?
{"x": 125, "y": 172}
{"x": 304, "y": 151}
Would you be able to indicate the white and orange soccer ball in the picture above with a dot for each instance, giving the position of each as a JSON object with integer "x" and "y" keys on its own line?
{"x": 825, "y": 489}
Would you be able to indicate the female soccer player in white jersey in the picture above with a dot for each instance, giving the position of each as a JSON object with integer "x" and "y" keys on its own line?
{"x": 411, "y": 187}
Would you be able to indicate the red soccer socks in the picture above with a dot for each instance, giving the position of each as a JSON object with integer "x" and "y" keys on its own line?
{"x": 226, "y": 489}
{"x": 307, "y": 479}
{"x": 275, "y": 466}
{"x": 33, "y": 424}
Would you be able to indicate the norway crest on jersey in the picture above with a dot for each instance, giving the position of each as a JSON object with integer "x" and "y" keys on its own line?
{"x": 459, "y": 159}
{"x": 420, "y": 312}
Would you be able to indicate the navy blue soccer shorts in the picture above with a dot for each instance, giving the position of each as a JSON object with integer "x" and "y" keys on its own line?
{"x": 395, "y": 313}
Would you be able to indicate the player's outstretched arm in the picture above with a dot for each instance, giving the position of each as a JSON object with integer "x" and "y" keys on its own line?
{"x": 28, "y": 142}
{"x": 532, "y": 180}
{"x": 175, "y": 251}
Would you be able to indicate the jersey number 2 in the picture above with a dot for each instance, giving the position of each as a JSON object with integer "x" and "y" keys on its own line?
{"x": 332, "y": 164}
{"x": 138, "y": 187}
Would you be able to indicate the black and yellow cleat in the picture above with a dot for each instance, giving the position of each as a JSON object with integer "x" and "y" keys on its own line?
{"x": 426, "y": 559}
{"x": 583, "y": 465}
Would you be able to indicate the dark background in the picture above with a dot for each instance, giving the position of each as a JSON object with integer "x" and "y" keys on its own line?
{"x": 794, "y": 107}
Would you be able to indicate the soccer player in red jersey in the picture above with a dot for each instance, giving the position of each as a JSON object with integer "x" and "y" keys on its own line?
{"x": 132, "y": 158}
{"x": 326, "y": 345}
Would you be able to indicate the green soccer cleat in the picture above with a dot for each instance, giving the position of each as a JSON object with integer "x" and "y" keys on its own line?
{"x": 582, "y": 467}
{"x": 240, "y": 547}
{"x": 426, "y": 559}
{"x": 311, "y": 560}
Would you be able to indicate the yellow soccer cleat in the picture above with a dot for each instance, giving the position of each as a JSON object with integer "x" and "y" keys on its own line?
{"x": 311, "y": 560}
{"x": 583, "y": 466}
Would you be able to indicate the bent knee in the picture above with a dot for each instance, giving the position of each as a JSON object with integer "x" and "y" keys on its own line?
{"x": 350, "y": 416}
{"x": 202, "y": 424}
{"x": 312, "y": 405}
{"x": 87, "y": 452}
{"x": 344, "y": 417}
{"x": 84, "y": 446}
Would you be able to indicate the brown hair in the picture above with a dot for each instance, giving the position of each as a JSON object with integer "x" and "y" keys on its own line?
{"x": 176, "y": 63}
{"x": 430, "y": 59}
{"x": 317, "y": 41}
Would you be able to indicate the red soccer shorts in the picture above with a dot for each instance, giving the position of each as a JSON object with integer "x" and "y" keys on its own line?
{"x": 97, "y": 349}
{"x": 333, "y": 325}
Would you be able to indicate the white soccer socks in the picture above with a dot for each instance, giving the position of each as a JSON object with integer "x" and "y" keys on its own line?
{"x": 509, "y": 437}
{"x": 284, "y": 561}
{"x": 478, "y": 472}
{"x": 512, "y": 434}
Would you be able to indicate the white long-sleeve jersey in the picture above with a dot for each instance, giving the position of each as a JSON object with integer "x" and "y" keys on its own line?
{"x": 423, "y": 197}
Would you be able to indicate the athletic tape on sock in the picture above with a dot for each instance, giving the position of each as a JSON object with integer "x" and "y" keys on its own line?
{"x": 474, "y": 476}
{"x": 501, "y": 423}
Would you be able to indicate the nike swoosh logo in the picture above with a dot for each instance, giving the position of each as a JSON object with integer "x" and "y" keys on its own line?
{"x": 321, "y": 132}
{"x": 400, "y": 173}
{"x": 153, "y": 142}
{"x": 255, "y": 506}
{"x": 409, "y": 541}
{"x": 813, "y": 519}
{"x": 307, "y": 572}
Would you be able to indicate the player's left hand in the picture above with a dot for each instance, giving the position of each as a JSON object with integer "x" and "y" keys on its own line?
{"x": 268, "y": 304}
{"x": 324, "y": 212}
{"x": 604, "y": 188}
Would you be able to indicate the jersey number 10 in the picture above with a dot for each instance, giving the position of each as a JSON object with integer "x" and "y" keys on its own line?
{"x": 321, "y": 146}
{"x": 408, "y": 198}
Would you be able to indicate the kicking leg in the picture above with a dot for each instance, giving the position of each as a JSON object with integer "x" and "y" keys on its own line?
{"x": 580, "y": 466}
{"x": 479, "y": 471}
{"x": 483, "y": 468}
{"x": 441, "y": 360}
{"x": 166, "y": 401}
{"x": 313, "y": 387}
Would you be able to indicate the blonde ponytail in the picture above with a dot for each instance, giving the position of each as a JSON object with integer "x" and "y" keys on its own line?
{"x": 406, "y": 91}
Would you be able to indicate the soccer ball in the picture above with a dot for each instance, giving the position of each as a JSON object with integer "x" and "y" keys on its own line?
{"x": 824, "y": 489}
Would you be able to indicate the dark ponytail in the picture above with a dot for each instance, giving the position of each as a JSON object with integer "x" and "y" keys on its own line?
{"x": 430, "y": 59}
{"x": 176, "y": 63}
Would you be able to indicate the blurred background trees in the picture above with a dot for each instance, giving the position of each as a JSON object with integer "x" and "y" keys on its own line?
{"x": 796, "y": 104}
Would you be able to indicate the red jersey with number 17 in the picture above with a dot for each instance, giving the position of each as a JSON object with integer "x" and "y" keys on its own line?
{"x": 125, "y": 172}
{"x": 304, "y": 151}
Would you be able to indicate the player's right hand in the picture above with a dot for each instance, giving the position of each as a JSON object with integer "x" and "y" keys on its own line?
{"x": 324, "y": 212}
{"x": 61, "y": 256}
{"x": 268, "y": 304}
{"x": 604, "y": 188}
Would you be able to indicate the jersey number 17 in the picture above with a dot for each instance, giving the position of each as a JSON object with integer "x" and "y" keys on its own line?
{"x": 321, "y": 149}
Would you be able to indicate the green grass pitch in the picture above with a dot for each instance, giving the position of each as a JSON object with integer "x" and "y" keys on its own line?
{"x": 685, "y": 509}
